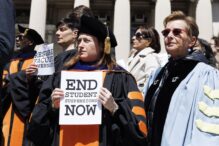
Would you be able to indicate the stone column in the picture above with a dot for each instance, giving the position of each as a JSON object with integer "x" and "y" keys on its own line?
{"x": 215, "y": 12}
{"x": 162, "y": 9}
{"x": 204, "y": 19}
{"x": 122, "y": 28}
{"x": 192, "y": 8}
{"x": 38, "y": 16}
{"x": 81, "y": 2}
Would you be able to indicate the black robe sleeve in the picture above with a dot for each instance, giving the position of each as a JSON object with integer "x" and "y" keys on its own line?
{"x": 44, "y": 119}
{"x": 129, "y": 121}
{"x": 62, "y": 58}
{"x": 24, "y": 92}
{"x": 40, "y": 130}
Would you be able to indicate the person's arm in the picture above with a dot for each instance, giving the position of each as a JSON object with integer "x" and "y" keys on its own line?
{"x": 44, "y": 118}
{"x": 7, "y": 30}
{"x": 129, "y": 118}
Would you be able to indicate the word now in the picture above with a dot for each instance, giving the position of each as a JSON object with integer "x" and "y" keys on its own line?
{"x": 80, "y": 110}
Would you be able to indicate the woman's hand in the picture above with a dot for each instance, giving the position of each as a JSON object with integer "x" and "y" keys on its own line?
{"x": 107, "y": 100}
{"x": 31, "y": 69}
{"x": 56, "y": 95}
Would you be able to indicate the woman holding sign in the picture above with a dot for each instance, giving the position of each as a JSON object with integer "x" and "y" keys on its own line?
{"x": 123, "y": 116}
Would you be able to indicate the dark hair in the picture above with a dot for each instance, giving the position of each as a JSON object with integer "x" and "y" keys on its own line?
{"x": 216, "y": 40}
{"x": 207, "y": 51}
{"x": 78, "y": 11}
{"x": 72, "y": 23}
{"x": 191, "y": 24}
{"x": 153, "y": 35}
{"x": 19, "y": 37}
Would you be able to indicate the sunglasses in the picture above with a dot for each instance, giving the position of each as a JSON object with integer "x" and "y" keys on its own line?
{"x": 139, "y": 35}
{"x": 19, "y": 37}
{"x": 175, "y": 31}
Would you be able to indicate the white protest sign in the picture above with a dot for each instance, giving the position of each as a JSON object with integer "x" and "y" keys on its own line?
{"x": 80, "y": 105}
{"x": 44, "y": 59}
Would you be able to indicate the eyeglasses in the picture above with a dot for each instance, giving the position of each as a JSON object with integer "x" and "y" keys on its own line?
{"x": 139, "y": 35}
{"x": 175, "y": 31}
{"x": 19, "y": 37}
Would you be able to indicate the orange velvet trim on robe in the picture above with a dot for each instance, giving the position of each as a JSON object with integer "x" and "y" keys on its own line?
{"x": 17, "y": 127}
{"x": 139, "y": 111}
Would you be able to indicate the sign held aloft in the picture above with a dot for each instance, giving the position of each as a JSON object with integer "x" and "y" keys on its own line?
{"x": 44, "y": 59}
{"x": 80, "y": 105}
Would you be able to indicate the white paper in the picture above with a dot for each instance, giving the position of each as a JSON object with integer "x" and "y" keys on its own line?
{"x": 44, "y": 59}
{"x": 80, "y": 105}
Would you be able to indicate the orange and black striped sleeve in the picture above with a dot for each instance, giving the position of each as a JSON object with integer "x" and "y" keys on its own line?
{"x": 131, "y": 114}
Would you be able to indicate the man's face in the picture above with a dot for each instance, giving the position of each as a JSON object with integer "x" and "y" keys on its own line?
{"x": 177, "y": 39}
{"x": 18, "y": 40}
{"x": 65, "y": 35}
{"x": 25, "y": 42}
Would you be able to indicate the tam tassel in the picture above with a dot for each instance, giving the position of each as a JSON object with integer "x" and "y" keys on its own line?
{"x": 107, "y": 43}
{"x": 25, "y": 32}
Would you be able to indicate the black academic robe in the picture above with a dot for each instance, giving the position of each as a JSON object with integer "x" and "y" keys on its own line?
{"x": 25, "y": 92}
{"x": 62, "y": 58}
{"x": 16, "y": 102}
{"x": 126, "y": 127}
{"x": 159, "y": 94}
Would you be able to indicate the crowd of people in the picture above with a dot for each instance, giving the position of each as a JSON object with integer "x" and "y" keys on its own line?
{"x": 146, "y": 104}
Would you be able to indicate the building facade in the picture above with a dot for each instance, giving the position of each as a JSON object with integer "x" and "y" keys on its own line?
{"x": 123, "y": 16}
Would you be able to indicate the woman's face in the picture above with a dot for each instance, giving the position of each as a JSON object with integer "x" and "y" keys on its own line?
{"x": 66, "y": 36}
{"x": 88, "y": 48}
{"x": 138, "y": 42}
{"x": 176, "y": 38}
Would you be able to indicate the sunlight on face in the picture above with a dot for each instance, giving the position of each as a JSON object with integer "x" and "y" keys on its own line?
{"x": 65, "y": 36}
{"x": 88, "y": 48}
{"x": 138, "y": 42}
{"x": 25, "y": 42}
{"x": 177, "y": 45}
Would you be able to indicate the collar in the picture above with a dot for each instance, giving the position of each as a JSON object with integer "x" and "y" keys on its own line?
{"x": 88, "y": 66}
{"x": 91, "y": 67}
{"x": 144, "y": 52}
{"x": 194, "y": 55}
{"x": 22, "y": 55}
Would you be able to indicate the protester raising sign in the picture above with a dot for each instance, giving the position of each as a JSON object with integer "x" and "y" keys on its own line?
{"x": 44, "y": 59}
{"x": 80, "y": 105}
